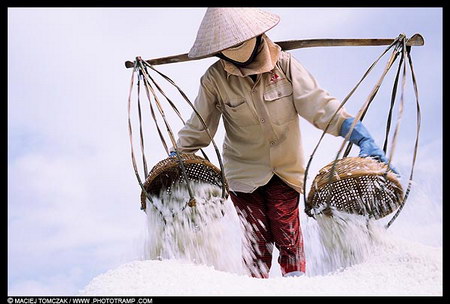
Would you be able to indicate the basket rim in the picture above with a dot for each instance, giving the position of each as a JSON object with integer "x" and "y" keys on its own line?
{"x": 170, "y": 163}
{"x": 322, "y": 178}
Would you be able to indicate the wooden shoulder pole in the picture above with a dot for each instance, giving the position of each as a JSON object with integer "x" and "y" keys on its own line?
{"x": 415, "y": 40}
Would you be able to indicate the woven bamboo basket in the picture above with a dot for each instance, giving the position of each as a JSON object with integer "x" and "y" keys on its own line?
{"x": 168, "y": 172}
{"x": 358, "y": 185}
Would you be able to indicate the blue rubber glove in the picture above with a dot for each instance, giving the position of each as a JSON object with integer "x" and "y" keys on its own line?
{"x": 173, "y": 154}
{"x": 360, "y": 136}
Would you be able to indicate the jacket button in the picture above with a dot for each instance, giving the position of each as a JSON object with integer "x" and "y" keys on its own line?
{"x": 262, "y": 120}
{"x": 272, "y": 143}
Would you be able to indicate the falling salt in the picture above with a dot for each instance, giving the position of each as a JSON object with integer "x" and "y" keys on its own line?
{"x": 208, "y": 234}
{"x": 211, "y": 234}
{"x": 341, "y": 240}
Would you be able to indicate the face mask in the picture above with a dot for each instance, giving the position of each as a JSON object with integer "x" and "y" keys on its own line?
{"x": 242, "y": 54}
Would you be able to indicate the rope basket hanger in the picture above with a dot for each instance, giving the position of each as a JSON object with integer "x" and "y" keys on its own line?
{"x": 362, "y": 185}
{"x": 182, "y": 168}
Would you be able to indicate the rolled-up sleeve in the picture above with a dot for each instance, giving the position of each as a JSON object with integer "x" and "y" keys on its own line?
{"x": 312, "y": 102}
{"x": 193, "y": 135}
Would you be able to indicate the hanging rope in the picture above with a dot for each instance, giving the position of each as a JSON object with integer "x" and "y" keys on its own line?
{"x": 174, "y": 108}
{"x": 133, "y": 157}
{"x": 151, "y": 88}
{"x": 416, "y": 144}
{"x": 206, "y": 129}
{"x": 372, "y": 95}
{"x": 400, "y": 48}
{"x": 344, "y": 101}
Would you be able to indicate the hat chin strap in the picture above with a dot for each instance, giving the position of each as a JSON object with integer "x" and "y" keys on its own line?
{"x": 248, "y": 61}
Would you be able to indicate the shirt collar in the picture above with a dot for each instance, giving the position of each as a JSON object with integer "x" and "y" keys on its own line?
{"x": 264, "y": 62}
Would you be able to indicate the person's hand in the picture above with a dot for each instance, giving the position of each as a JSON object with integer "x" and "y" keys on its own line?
{"x": 361, "y": 137}
{"x": 368, "y": 148}
{"x": 173, "y": 154}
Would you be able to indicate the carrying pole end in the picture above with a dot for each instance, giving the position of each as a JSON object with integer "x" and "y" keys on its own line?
{"x": 416, "y": 40}
{"x": 129, "y": 64}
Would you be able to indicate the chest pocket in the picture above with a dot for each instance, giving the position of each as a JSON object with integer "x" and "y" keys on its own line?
{"x": 239, "y": 113}
{"x": 279, "y": 103}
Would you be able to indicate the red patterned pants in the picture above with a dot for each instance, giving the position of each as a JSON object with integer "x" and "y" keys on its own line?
{"x": 270, "y": 216}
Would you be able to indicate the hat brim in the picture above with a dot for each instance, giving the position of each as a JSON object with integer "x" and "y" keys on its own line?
{"x": 222, "y": 28}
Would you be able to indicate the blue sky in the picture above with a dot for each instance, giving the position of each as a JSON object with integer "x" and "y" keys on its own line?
{"x": 73, "y": 199}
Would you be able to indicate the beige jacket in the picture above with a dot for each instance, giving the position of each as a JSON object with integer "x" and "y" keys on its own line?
{"x": 261, "y": 118}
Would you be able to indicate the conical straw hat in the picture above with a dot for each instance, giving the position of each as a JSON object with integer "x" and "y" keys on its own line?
{"x": 222, "y": 28}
